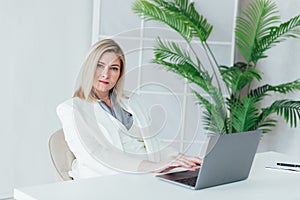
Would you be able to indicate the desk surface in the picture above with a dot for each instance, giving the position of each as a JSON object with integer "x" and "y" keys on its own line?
{"x": 261, "y": 184}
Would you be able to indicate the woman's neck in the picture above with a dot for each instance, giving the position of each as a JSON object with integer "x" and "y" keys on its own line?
{"x": 105, "y": 97}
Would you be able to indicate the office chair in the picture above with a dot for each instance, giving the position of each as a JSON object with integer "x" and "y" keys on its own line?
{"x": 61, "y": 156}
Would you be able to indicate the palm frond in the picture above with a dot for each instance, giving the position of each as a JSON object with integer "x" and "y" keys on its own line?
{"x": 218, "y": 100}
{"x": 281, "y": 88}
{"x": 288, "y": 109}
{"x": 260, "y": 91}
{"x": 236, "y": 78}
{"x": 170, "y": 55}
{"x": 265, "y": 123}
{"x": 244, "y": 114}
{"x": 199, "y": 25}
{"x": 188, "y": 22}
{"x": 214, "y": 121}
{"x": 172, "y": 52}
{"x": 187, "y": 71}
{"x": 149, "y": 11}
{"x": 289, "y": 29}
{"x": 259, "y": 17}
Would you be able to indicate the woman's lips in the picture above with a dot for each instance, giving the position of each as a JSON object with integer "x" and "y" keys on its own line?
{"x": 104, "y": 82}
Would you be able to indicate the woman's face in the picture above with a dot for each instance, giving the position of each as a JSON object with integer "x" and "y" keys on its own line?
{"x": 107, "y": 73}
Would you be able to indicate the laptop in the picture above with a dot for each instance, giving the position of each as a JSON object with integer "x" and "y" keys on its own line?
{"x": 228, "y": 159}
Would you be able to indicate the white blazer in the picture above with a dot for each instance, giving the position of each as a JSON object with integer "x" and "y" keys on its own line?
{"x": 98, "y": 140}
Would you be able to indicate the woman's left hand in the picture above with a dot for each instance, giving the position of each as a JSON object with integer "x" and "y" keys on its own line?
{"x": 180, "y": 160}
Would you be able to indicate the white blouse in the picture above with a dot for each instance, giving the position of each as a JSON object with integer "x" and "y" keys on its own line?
{"x": 101, "y": 144}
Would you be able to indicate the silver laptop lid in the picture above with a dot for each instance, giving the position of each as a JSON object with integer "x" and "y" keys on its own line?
{"x": 228, "y": 158}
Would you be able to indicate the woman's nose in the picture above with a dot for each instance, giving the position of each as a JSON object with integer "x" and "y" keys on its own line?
{"x": 104, "y": 72}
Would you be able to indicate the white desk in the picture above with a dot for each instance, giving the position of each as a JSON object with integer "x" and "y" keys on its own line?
{"x": 261, "y": 184}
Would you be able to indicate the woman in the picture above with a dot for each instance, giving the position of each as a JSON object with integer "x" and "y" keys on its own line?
{"x": 105, "y": 128}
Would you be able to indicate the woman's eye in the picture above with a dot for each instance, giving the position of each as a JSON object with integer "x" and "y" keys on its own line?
{"x": 115, "y": 68}
{"x": 99, "y": 65}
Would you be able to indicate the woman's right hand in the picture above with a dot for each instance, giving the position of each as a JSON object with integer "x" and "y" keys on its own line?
{"x": 173, "y": 162}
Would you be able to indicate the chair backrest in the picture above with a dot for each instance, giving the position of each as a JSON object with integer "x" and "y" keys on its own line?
{"x": 61, "y": 155}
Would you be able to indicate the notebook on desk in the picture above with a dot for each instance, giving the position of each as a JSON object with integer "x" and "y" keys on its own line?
{"x": 228, "y": 159}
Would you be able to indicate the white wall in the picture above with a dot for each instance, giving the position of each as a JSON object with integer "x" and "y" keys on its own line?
{"x": 6, "y": 76}
{"x": 282, "y": 66}
{"x": 43, "y": 43}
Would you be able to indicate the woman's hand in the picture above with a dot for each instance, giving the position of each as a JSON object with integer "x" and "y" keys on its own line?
{"x": 173, "y": 162}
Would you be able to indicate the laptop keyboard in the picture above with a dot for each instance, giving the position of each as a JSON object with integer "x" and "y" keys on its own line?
{"x": 188, "y": 181}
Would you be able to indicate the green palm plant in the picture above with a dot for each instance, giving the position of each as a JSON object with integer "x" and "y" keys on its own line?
{"x": 237, "y": 107}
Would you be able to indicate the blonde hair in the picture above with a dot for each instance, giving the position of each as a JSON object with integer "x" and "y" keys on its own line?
{"x": 89, "y": 66}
